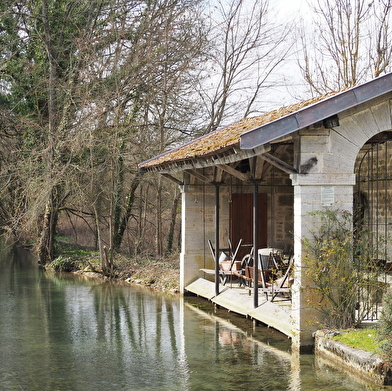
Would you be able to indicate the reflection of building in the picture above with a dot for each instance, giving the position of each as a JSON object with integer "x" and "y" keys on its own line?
{"x": 235, "y": 353}
{"x": 229, "y": 337}
{"x": 284, "y": 164}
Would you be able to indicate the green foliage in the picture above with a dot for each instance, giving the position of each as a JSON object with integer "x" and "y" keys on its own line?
{"x": 63, "y": 264}
{"x": 385, "y": 327}
{"x": 90, "y": 88}
{"x": 344, "y": 270}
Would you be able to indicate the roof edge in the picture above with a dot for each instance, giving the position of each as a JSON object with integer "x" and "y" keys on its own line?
{"x": 316, "y": 112}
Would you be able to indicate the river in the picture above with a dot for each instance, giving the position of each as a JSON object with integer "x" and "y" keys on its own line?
{"x": 61, "y": 332}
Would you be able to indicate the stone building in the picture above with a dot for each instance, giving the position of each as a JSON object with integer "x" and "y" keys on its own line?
{"x": 258, "y": 179}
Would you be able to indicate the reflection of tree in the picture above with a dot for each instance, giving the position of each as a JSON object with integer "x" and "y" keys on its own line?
{"x": 141, "y": 328}
{"x": 32, "y": 329}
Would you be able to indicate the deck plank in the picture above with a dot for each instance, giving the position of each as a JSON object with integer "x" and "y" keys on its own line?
{"x": 239, "y": 300}
{"x": 274, "y": 316}
{"x": 202, "y": 287}
{"x": 233, "y": 301}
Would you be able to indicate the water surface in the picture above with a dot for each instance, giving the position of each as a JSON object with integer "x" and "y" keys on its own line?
{"x": 60, "y": 332}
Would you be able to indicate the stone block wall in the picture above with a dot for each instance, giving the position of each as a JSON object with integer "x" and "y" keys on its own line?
{"x": 198, "y": 218}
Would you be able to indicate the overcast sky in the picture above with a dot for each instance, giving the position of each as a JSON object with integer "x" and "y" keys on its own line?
{"x": 290, "y": 6}
{"x": 290, "y": 10}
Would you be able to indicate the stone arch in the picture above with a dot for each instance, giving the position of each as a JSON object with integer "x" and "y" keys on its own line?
{"x": 361, "y": 126}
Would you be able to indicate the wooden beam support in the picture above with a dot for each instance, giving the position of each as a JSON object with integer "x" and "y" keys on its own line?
{"x": 232, "y": 171}
{"x": 199, "y": 176}
{"x": 256, "y": 167}
{"x": 279, "y": 163}
{"x": 218, "y": 174}
{"x": 172, "y": 178}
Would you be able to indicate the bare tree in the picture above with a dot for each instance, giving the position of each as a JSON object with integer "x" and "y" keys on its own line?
{"x": 136, "y": 105}
{"x": 350, "y": 43}
{"x": 246, "y": 47}
{"x": 107, "y": 84}
{"x": 39, "y": 72}
{"x": 380, "y": 43}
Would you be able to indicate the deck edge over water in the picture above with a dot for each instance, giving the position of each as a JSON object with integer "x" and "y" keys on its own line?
{"x": 268, "y": 313}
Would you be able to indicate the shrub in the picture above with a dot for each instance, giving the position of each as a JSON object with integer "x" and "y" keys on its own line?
{"x": 384, "y": 329}
{"x": 63, "y": 264}
{"x": 342, "y": 268}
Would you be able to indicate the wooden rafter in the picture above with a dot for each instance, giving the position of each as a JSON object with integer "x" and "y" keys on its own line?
{"x": 198, "y": 176}
{"x": 218, "y": 174}
{"x": 279, "y": 163}
{"x": 172, "y": 178}
{"x": 256, "y": 167}
{"x": 232, "y": 171}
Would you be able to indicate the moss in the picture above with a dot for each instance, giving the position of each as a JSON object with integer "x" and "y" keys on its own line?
{"x": 364, "y": 339}
{"x": 226, "y": 137}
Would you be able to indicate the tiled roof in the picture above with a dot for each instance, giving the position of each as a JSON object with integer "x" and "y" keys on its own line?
{"x": 222, "y": 139}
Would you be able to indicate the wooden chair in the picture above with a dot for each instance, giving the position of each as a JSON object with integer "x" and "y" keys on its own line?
{"x": 226, "y": 268}
{"x": 280, "y": 285}
{"x": 266, "y": 282}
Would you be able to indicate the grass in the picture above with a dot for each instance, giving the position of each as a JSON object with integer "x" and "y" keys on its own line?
{"x": 364, "y": 339}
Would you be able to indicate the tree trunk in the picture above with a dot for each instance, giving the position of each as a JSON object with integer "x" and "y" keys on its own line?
{"x": 46, "y": 239}
{"x": 45, "y": 248}
{"x": 98, "y": 231}
{"x": 159, "y": 247}
{"x": 170, "y": 238}
{"x": 122, "y": 226}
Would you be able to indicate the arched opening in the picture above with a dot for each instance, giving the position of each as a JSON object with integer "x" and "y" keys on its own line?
{"x": 373, "y": 204}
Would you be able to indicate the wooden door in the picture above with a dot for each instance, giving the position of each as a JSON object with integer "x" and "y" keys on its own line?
{"x": 241, "y": 221}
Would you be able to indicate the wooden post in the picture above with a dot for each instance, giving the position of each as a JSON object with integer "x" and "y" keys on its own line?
{"x": 216, "y": 238}
{"x": 255, "y": 244}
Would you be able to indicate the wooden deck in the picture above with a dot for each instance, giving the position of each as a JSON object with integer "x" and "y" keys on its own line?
{"x": 275, "y": 314}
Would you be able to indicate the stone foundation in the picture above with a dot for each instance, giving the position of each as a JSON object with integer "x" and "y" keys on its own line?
{"x": 364, "y": 365}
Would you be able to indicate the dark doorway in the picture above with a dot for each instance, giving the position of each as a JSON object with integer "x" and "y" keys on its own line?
{"x": 241, "y": 221}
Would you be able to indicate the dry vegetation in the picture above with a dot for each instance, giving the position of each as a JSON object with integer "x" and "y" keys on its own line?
{"x": 160, "y": 274}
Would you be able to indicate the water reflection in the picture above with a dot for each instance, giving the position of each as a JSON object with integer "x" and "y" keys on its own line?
{"x": 64, "y": 333}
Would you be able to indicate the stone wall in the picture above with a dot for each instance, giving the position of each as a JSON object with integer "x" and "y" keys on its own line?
{"x": 326, "y": 184}
{"x": 363, "y": 365}
{"x": 198, "y": 217}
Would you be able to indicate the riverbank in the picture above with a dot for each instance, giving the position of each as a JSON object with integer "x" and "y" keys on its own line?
{"x": 159, "y": 274}
{"x": 163, "y": 275}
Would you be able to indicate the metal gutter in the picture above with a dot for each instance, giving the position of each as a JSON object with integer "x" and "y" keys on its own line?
{"x": 317, "y": 112}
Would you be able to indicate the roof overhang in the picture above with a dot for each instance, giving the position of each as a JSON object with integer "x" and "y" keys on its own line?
{"x": 231, "y": 155}
{"x": 315, "y": 113}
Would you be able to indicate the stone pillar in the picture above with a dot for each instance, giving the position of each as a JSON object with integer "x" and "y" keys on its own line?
{"x": 197, "y": 226}
{"x": 325, "y": 181}
{"x": 192, "y": 241}
{"x": 311, "y": 193}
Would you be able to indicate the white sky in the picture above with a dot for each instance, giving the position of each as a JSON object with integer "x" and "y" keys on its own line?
{"x": 292, "y": 87}
{"x": 290, "y": 10}
{"x": 290, "y": 6}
